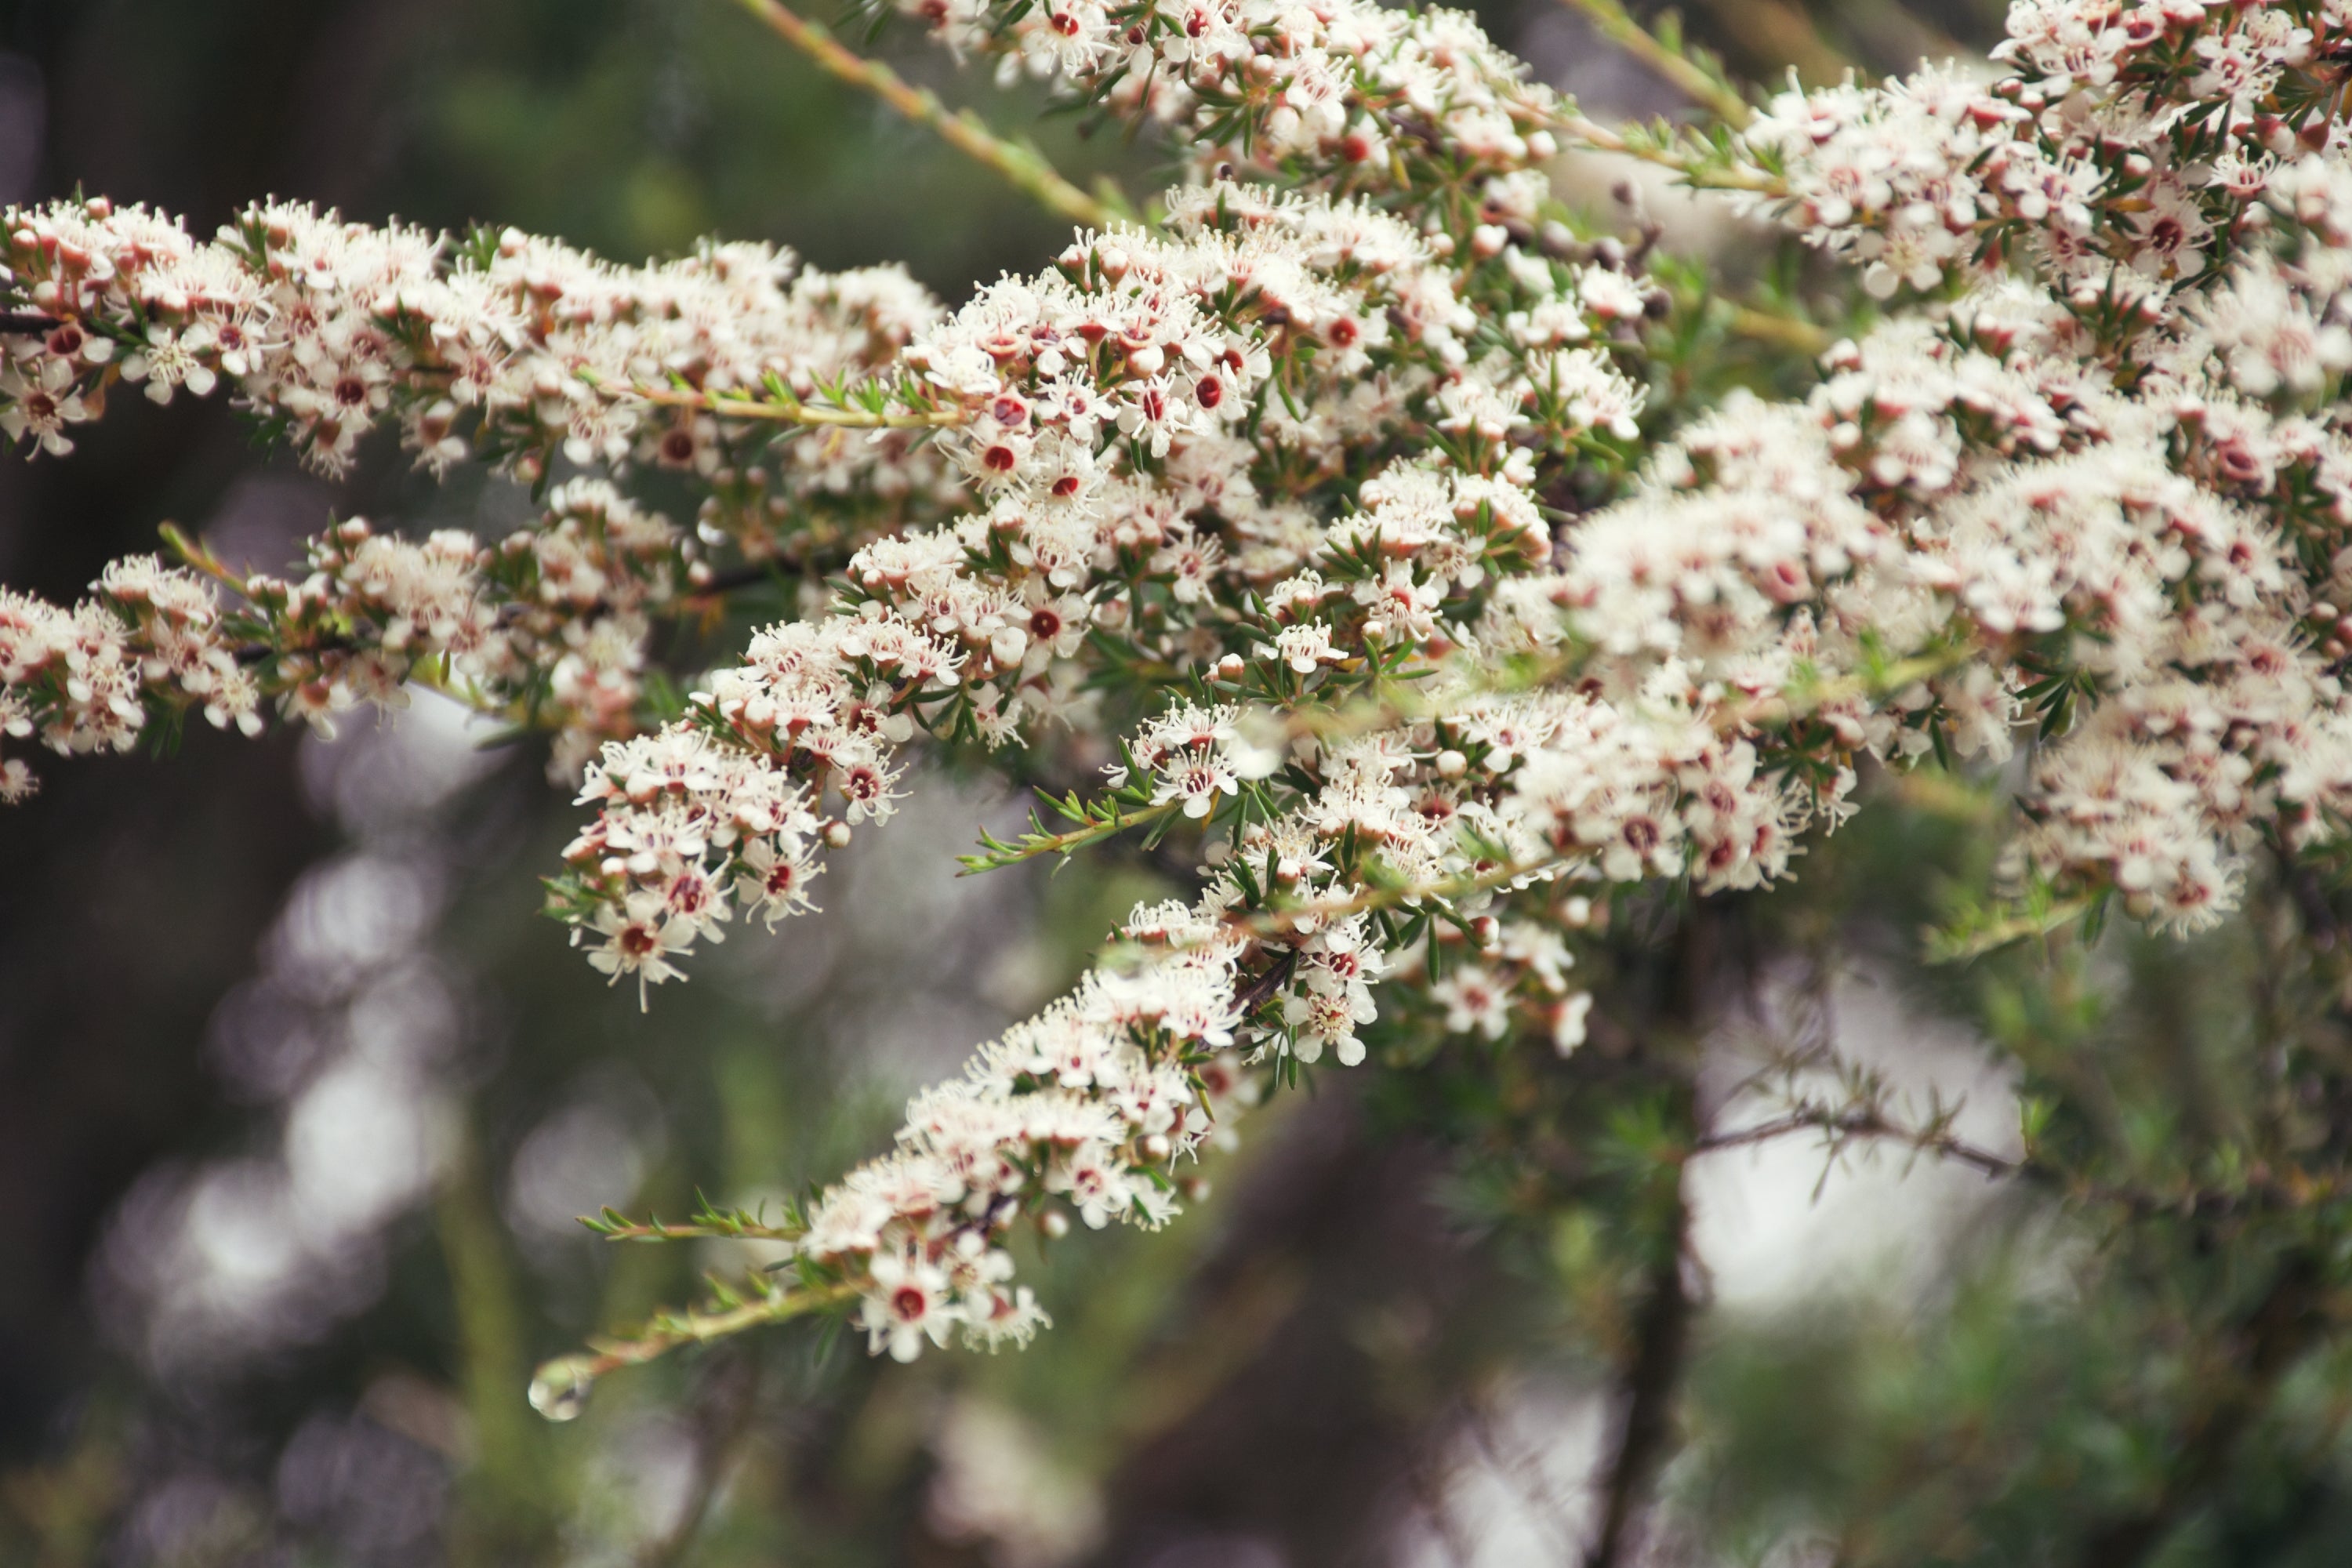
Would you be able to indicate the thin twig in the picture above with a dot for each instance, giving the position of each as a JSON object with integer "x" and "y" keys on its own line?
{"x": 1020, "y": 166}
{"x": 2287, "y": 1190}
{"x": 1960, "y": 945}
{"x": 667, "y": 1332}
{"x": 659, "y": 1230}
{"x": 199, "y": 556}
{"x": 1694, "y": 80}
{"x": 1777, "y": 34}
{"x": 1696, "y": 173}
{"x": 1788, "y": 332}
{"x": 998, "y": 856}
{"x": 1840, "y": 1126}
{"x": 782, "y": 410}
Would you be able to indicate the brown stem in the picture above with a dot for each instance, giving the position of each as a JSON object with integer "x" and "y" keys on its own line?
{"x": 1774, "y": 32}
{"x": 1840, "y": 1126}
{"x": 731, "y": 1400}
{"x": 2266, "y": 1344}
{"x": 1267, "y": 984}
{"x": 1662, "y": 1339}
{"x": 748, "y": 574}
{"x": 1609, "y": 18}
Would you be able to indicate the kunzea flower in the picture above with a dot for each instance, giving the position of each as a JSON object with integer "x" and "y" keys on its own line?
{"x": 641, "y": 935}
{"x": 908, "y": 1302}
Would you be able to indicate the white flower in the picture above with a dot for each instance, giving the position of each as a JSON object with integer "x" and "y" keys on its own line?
{"x": 1095, "y": 1182}
{"x": 907, "y": 1304}
{"x": 41, "y": 407}
{"x": 775, "y": 877}
{"x": 641, "y": 937}
{"x": 172, "y": 359}
{"x": 1568, "y": 1021}
{"x": 1304, "y": 648}
{"x": 1476, "y": 1002}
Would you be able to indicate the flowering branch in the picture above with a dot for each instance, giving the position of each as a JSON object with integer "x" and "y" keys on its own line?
{"x": 511, "y": 348}
{"x": 1354, "y": 436}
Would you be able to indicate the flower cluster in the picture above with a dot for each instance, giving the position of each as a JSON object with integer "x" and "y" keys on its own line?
{"x": 150, "y": 640}
{"x": 2118, "y": 160}
{"x": 1089, "y": 1108}
{"x": 2120, "y": 453}
{"x": 548, "y": 627}
{"x": 577, "y": 596}
{"x": 1147, "y": 487}
{"x": 503, "y": 344}
{"x": 1334, "y": 92}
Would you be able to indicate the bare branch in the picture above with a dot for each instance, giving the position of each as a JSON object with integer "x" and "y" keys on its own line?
{"x": 1693, "y": 79}
{"x": 1839, "y": 1126}
{"x": 1022, "y": 167}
